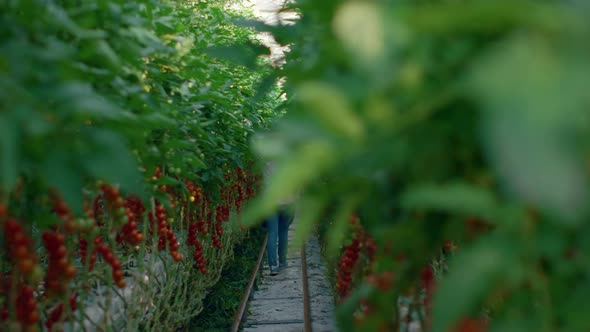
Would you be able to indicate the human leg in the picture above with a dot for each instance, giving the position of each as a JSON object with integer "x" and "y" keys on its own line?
{"x": 283, "y": 230}
{"x": 272, "y": 227}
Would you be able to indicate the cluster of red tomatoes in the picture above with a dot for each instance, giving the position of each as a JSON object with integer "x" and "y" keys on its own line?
{"x": 57, "y": 313}
{"x": 165, "y": 234}
{"x": 83, "y": 247}
{"x": 346, "y": 266}
{"x": 26, "y": 307}
{"x": 20, "y": 248}
{"x": 134, "y": 210}
{"x": 112, "y": 260}
{"x": 111, "y": 220}
{"x": 59, "y": 270}
{"x": 356, "y": 266}
{"x": 193, "y": 240}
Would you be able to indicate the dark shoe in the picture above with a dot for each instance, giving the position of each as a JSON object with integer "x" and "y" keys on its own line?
{"x": 274, "y": 270}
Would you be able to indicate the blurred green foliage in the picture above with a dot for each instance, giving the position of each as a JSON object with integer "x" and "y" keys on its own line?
{"x": 112, "y": 90}
{"x": 421, "y": 115}
{"x": 108, "y": 90}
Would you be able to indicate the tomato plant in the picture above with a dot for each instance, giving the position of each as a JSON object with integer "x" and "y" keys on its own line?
{"x": 124, "y": 130}
{"x": 447, "y": 126}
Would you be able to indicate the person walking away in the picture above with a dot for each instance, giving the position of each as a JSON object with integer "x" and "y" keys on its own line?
{"x": 277, "y": 226}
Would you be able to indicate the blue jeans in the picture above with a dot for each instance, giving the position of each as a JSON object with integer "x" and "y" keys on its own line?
{"x": 278, "y": 231}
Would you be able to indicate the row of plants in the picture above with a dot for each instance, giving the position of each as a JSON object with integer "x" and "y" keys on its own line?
{"x": 124, "y": 159}
{"x": 442, "y": 126}
{"x": 221, "y": 304}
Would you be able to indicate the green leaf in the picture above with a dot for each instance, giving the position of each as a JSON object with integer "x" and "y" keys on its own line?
{"x": 309, "y": 209}
{"x": 157, "y": 120}
{"x": 58, "y": 16}
{"x": 45, "y": 221}
{"x": 345, "y": 311}
{"x": 104, "y": 52}
{"x": 80, "y": 97}
{"x": 455, "y": 197}
{"x": 196, "y": 162}
{"x": 516, "y": 325}
{"x": 530, "y": 130}
{"x": 264, "y": 87}
{"x": 472, "y": 273}
{"x": 330, "y": 108}
{"x": 111, "y": 161}
{"x": 9, "y": 152}
{"x": 166, "y": 180}
{"x": 269, "y": 146}
{"x": 244, "y": 55}
{"x": 453, "y": 18}
{"x": 341, "y": 224}
{"x": 289, "y": 178}
{"x": 62, "y": 172}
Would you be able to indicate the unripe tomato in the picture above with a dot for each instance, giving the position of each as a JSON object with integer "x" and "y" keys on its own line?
{"x": 120, "y": 201}
{"x": 21, "y": 251}
{"x": 70, "y": 272}
{"x": 120, "y": 212}
{"x": 26, "y": 265}
{"x": 70, "y": 226}
{"x": 3, "y": 211}
{"x": 37, "y": 275}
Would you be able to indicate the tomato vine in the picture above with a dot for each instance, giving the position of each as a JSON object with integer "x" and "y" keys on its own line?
{"x": 122, "y": 126}
{"x": 457, "y": 132}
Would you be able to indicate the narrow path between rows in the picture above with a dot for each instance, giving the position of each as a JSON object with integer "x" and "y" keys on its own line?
{"x": 277, "y": 305}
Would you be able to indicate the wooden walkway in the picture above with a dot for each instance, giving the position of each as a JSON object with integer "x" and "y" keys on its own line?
{"x": 277, "y": 305}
